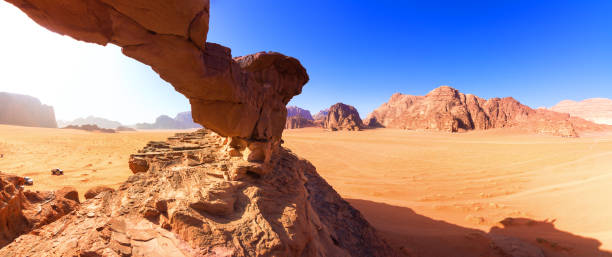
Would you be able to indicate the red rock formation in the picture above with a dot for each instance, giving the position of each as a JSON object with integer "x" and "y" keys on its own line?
{"x": 295, "y": 122}
{"x": 241, "y": 97}
{"x": 446, "y": 109}
{"x": 598, "y": 110}
{"x": 297, "y": 111}
{"x": 23, "y": 211}
{"x": 23, "y": 110}
{"x": 198, "y": 200}
{"x": 343, "y": 117}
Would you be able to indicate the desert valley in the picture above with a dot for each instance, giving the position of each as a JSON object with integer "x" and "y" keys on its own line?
{"x": 250, "y": 171}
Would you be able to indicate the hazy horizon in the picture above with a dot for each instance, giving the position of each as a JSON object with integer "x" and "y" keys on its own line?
{"x": 355, "y": 52}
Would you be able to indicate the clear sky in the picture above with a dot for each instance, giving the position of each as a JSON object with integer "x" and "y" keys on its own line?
{"x": 356, "y": 52}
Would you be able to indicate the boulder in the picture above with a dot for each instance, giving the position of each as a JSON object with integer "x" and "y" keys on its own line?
{"x": 94, "y": 191}
{"x": 343, "y": 117}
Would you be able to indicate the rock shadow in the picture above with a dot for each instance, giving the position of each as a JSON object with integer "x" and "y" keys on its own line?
{"x": 417, "y": 235}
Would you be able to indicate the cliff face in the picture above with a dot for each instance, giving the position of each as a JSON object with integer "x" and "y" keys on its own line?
{"x": 598, "y": 110}
{"x": 343, "y": 117}
{"x": 446, "y": 109}
{"x": 297, "y": 111}
{"x": 23, "y": 110}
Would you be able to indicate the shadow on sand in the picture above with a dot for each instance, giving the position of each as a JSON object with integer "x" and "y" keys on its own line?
{"x": 416, "y": 235}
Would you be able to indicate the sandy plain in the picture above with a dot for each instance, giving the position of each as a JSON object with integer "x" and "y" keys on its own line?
{"x": 421, "y": 190}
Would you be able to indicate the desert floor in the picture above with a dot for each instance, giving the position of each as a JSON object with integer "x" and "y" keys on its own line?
{"x": 88, "y": 159}
{"x": 473, "y": 180}
{"x": 420, "y": 189}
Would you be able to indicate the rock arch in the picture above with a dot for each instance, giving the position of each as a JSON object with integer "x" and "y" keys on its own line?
{"x": 243, "y": 98}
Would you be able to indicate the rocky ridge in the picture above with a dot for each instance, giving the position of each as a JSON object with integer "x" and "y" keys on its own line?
{"x": 192, "y": 196}
{"x": 446, "y": 109}
{"x": 24, "y": 110}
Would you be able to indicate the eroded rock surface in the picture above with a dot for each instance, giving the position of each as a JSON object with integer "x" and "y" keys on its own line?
{"x": 198, "y": 198}
{"x": 343, "y": 117}
{"x": 297, "y": 111}
{"x": 241, "y": 97}
{"x": 447, "y": 109}
{"x": 22, "y": 211}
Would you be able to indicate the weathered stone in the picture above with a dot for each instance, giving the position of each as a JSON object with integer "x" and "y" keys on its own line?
{"x": 343, "y": 117}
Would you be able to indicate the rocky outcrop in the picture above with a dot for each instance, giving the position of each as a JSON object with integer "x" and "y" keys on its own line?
{"x": 321, "y": 115}
{"x": 182, "y": 120}
{"x": 343, "y": 117}
{"x": 90, "y": 128}
{"x": 22, "y": 211}
{"x": 23, "y": 110}
{"x": 297, "y": 111}
{"x": 91, "y": 120}
{"x": 598, "y": 110}
{"x": 446, "y": 109}
{"x": 243, "y": 97}
{"x": 196, "y": 199}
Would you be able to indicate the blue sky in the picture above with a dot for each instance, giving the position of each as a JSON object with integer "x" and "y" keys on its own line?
{"x": 361, "y": 52}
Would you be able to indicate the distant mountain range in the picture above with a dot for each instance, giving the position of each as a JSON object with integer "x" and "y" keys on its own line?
{"x": 90, "y": 120}
{"x": 598, "y": 110}
{"x": 182, "y": 120}
{"x": 24, "y": 110}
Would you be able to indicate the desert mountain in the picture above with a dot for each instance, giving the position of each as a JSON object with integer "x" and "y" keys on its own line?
{"x": 298, "y": 118}
{"x": 598, "y": 110}
{"x": 343, "y": 117}
{"x": 23, "y": 110}
{"x": 446, "y": 109}
{"x": 182, "y": 120}
{"x": 297, "y": 111}
{"x": 231, "y": 190}
{"x": 321, "y": 115}
{"x": 91, "y": 120}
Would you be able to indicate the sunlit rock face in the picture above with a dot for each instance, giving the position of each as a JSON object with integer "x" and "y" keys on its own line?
{"x": 242, "y": 97}
{"x": 342, "y": 117}
{"x": 447, "y": 109}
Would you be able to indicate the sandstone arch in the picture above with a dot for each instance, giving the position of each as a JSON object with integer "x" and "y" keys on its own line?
{"x": 241, "y": 97}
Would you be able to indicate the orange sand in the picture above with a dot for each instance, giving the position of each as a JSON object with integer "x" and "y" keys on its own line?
{"x": 402, "y": 181}
{"x": 471, "y": 179}
{"x": 88, "y": 159}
